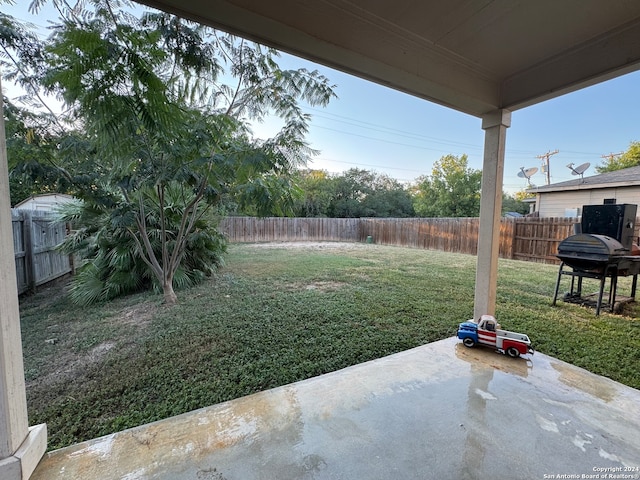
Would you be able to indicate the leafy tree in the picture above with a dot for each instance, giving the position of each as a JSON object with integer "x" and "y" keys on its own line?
{"x": 349, "y": 191}
{"x": 315, "y": 193}
{"x": 22, "y": 59}
{"x": 116, "y": 268}
{"x": 33, "y": 134}
{"x": 362, "y": 193}
{"x": 511, "y": 203}
{"x": 452, "y": 190}
{"x": 28, "y": 139}
{"x": 388, "y": 198}
{"x": 522, "y": 195}
{"x": 165, "y": 105}
{"x": 630, "y": 158}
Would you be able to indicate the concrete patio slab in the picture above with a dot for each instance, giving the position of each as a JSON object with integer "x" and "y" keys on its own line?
{"x": 439, "y": 411}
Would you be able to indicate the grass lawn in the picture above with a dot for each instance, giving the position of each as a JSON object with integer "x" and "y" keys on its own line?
{"x": 276, "y": 315}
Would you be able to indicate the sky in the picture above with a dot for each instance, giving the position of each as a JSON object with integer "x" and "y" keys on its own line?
{"x": 379, "y": 129}
{"x": 376, "y": 128}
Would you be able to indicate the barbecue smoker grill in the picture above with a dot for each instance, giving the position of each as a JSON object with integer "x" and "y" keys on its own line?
{"x": 603, "y": 249}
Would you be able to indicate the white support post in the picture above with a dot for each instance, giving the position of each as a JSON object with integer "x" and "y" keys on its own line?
{"x": 21, "y": 447}
{"x": 495, "y": 125}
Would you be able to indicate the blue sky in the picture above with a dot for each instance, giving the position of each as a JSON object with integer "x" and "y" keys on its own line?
{"x": 375, "y": 128}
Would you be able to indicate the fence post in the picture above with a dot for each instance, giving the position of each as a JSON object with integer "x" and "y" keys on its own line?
{"x": 511, "y": 236}
{"x": 27, "y": 231}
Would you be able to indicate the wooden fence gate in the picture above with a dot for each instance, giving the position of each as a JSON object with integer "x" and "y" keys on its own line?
{"x": 35, "y": 237}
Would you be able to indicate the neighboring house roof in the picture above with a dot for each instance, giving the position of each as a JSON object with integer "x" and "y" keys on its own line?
{"x": 626, "y": 177}
{"x": 44, "y": 201}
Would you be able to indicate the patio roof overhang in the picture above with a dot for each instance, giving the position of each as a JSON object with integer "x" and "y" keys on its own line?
{"x": 475, "y": 56}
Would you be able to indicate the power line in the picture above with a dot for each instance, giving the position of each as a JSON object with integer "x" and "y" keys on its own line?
{"x": 360, "y": 164}
{"x": 378, "y": 139}
{"x": 386, "y": 129}
{"x": 513, "y": 154}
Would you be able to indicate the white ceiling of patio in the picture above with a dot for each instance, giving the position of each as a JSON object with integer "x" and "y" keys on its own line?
{"x": 475, "y": 56}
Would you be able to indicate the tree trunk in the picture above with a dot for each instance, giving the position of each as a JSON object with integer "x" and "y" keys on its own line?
{"x": 170, "y": 297}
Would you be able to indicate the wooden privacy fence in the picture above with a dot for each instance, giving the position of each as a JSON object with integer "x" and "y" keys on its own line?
{"x": 526, "y": 238}
{"x": 278, "y": 229}
{"x": 537, "y": 239}
{"x": 35, "y": 237}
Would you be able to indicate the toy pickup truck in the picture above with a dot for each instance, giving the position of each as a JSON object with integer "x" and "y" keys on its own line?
{"x": 486, "y": 331}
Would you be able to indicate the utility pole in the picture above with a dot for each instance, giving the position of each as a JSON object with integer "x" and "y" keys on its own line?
{"x": 545, "y": 164}
{"x": 611, "y": 156}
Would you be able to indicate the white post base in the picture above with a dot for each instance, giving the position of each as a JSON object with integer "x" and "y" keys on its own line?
{"x": 24, "y": 461}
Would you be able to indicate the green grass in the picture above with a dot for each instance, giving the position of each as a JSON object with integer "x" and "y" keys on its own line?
{"x": 274, "y": 316}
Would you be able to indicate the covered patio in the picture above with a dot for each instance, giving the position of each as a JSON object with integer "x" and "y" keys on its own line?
{"x": 440, "y": 411}
{"x": 484, "y": 58}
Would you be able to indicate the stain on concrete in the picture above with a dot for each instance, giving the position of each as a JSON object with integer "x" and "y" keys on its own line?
{"x": 593, "y": 385}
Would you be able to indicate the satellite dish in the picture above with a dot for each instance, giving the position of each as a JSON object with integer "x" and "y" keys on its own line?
{"x": 527, "y": 173}
{"x": 579, "y": 170}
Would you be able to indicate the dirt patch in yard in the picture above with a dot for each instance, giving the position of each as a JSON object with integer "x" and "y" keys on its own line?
{"x": 325, "y": 286}
{"x": 70, "y": 365}
{"x": 67, "y": 347}
{"x": 321, "y": 287}
{"x": 138, "y": 315}
{"x": 310, "y": 245}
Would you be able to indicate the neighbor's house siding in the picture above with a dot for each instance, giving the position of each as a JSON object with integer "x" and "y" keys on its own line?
{"x": 558, "y": 204}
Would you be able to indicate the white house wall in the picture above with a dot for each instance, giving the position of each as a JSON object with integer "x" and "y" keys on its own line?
{"x": 558, "y": 204}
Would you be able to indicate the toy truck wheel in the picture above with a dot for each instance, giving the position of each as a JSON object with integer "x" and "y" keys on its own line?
{"x": 469, "y": 342}
{"x": 513, "y": 352}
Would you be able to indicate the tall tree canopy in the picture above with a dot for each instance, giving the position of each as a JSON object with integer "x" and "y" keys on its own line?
{"x": 164, "y": 109}
{"x": 32, "y": 146}
{"x": 354, "y": 193}
{"x": 452, "y": 190}
{"x": 316, "y": 188}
